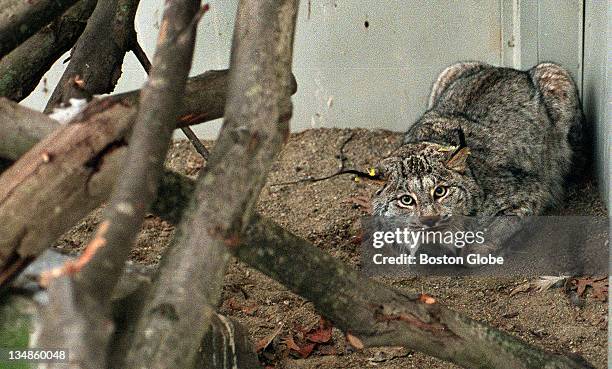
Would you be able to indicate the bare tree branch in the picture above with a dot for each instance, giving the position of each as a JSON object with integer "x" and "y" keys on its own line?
{"x": 63, "y": 177}
{"x": 21, "y": 19}
{"x": 176, "y": 317}
{"x": 96, "y": 60}
{"x": 150, "y": 139}
{"x": 22, "y": 68}
{"x": 146, "y": 65}
{"x": 142, "y": 57}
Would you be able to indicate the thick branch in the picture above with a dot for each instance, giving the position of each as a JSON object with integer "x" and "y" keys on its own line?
{"x": 96, "y": 60}
{"x": 204, "y": 101}
{"x": 22, "y": 69}
{"x": 21, "y": 19}
{"x": 21, "y": 128}
{"x": 158, "y": 110}
{"x": 67, "y": 172}
{"x": 176, "y": 317}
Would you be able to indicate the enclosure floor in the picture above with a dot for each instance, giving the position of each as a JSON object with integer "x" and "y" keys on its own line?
{"x": 324, "y": 213}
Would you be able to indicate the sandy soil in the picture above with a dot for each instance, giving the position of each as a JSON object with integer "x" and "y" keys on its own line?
{"x": 323, "y": 212}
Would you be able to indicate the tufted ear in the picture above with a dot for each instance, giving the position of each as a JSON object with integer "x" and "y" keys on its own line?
{"x": 458, "y": 162}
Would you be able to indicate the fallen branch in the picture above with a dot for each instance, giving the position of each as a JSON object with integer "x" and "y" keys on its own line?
{"x": 371, "y": 174}
{"x": 96, "y": 60}
{"x": 204, "y": 101}
{"x": 22, "y": 68}
{"x": 175, "y": 317}
{"x": 21, "y": 19}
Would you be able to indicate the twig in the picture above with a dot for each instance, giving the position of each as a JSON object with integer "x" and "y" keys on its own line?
{"x": 342, "y": 170}
{"x": 142, "y": 57}
{"x": 195, "y": 141}
{"x": 146, "y": 65}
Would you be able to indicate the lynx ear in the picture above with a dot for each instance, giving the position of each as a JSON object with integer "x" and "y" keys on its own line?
{"x": 458, "y": 162}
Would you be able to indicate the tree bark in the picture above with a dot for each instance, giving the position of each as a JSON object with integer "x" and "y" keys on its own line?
{"x": 96, "y": 60}
{"x": 188, "y": 288}
{"x": 21, "y": 19}
{"x": 22, "y": 68}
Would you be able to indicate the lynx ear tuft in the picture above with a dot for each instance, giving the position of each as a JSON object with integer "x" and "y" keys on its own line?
{"x": 458, "y": 162}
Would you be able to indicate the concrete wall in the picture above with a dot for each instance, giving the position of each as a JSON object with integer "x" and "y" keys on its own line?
{"x": 597, "y": 85}
{"x": 349, "y": 74}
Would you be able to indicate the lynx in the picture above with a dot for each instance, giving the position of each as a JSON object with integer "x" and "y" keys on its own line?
{"x": 493, "y": 142}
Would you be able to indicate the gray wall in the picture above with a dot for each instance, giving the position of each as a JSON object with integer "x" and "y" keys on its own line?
{"x": 348, "y": 75}
{"x": 379, "y": 76}
{"x": 596, "y": 85}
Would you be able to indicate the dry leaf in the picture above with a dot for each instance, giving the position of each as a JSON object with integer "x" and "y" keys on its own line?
{"x": 354, "y": 341}
{"x": 581, "y": 285}
{"x": 521, "y": 288}
{"x": 546, "y": 282}
{"x": 303, "y": 350}
{"x": 290, "y": 343}
{"x": 263, "y": 343}
{"x": 600, "y": 289}
{"x": 322, "y": 334}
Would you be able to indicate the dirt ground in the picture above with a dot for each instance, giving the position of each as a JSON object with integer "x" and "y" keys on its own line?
{"x": 324, "y": 213}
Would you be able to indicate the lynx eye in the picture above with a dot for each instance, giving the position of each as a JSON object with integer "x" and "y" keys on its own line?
{"x": 405, "y": 201}
{"x": 440, "y": 192}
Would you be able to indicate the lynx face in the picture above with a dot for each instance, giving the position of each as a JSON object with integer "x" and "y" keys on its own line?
{"x": 429, "y": 181}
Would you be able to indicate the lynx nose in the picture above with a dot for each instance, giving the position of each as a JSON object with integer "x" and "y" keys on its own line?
{"x": 429, "y": 221}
